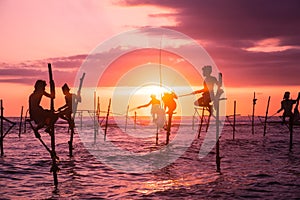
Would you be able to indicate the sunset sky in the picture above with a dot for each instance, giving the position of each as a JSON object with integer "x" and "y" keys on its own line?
{"x": 255, "y": 44}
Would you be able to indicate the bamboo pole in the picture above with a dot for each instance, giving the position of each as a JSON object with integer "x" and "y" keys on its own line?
{"x": 72, "y": 120}
{"x": 169, "y": 127}
{"x": 106, "y": 122}
{"x": 70, "y": 142}
{"x": 218, "y": 158}
{"x": 201, "y": 122}
{"x": 20, "y": 125}
{"x": 234, "y": 117}
{"x": 126, "y": 117}
{"x": 217, "y": 106}
{"x": 156, "y": 139}
{"x": 266, "y": 118}
{"x": 54, "y": 168}
{"x": 38, "y": 136}
{"x": 95, "y": 121}
{"x": 1, "y": 136}
{"x": 98, "y": 110}
{"x": 291, "y": 127}
{"x": 253, "y": 110}
{"x": 135, "y": 120}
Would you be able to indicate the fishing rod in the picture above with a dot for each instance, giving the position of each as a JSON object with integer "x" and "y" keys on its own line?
{"x": 272, "y": 115}
{"x": 184, "y": 95}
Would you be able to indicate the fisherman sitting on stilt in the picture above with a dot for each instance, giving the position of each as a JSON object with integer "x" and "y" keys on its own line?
{"x": 208, "y": 89}
{"x": 170, "y": 103}
{"x": 38, "y": 114}
{"x": 65, "y": 112}
{"x": 286, "y": 106}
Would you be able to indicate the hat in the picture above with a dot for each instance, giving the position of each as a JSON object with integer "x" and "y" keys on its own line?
{"x": 65, "y": 87}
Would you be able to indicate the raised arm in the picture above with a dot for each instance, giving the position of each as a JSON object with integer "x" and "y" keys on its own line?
{"x": 46, "y": 94}
{"x": 143, "y": 106}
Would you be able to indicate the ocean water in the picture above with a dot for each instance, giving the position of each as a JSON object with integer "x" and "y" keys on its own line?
{"x": 252, "y": 165}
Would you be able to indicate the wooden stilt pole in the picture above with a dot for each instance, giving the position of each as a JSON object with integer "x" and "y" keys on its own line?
{"x": 126, "y": 117}
{"x": 218, "y": 158}
{"x": 201, "y": 122}
{"x": 95, "y": 121}
{"x": 106, "y": 122}
{"x": 217, "y": 107}
{"x": 134, "y": 120}
{"x": 54, "y": 168}
{"x": 169, "y": 128}
{"x": 98, "y": 110}
{"x": 72, "y": 120}
{"x": 266, "y": 118}
{"x": 21, "y": 120}
{"x": 70, "y": 142}
{"x": 291, "y": 127}
{"x": 156, "y": 139}
{"x": 40, "y": 139}
{"x": 234, "y": 115}
{"x": 253, "y": 110}
{"x": 1, "y": 121}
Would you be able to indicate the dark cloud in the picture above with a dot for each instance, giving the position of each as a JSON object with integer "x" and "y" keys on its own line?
{"x": 229, "y": 27}
{"x": 64, "y": 70}
{"x": 232, "y": 19}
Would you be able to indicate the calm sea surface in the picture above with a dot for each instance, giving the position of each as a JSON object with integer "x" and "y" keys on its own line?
{"x": 252, "y": 166}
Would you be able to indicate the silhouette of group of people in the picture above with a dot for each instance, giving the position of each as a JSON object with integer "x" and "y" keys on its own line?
{"x": 157, "y": 112}
{"x": 43, "y": 117}
{"x": 208, "y": 95}
{"x": 287, "y": 107}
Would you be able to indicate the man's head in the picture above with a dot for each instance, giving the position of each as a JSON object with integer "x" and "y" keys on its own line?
{"x": 40, "y": 85}
{"x": 286, "y": 95}
{"x": 206, "y": 70}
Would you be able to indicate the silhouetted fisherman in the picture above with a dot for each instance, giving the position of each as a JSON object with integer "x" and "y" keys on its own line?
{"x": 286, "y": 106}
{"x": 65, "y": 112}
{"x": 169, "y": 103}
{"x": 208, "y": 89}
{"x": 155, "y": 109}
{"x": 37, "y": 113}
